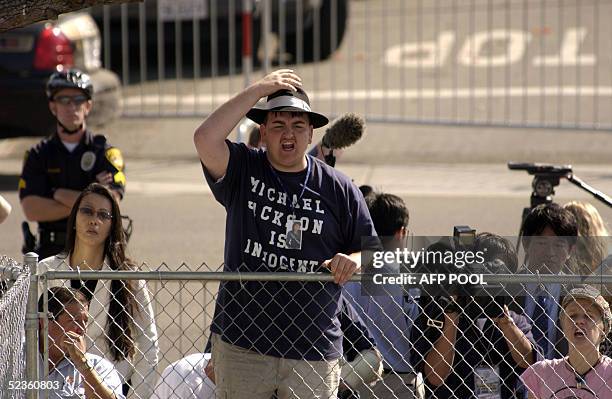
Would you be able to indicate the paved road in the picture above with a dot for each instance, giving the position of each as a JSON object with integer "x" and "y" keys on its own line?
{"x": 177, "y": 219}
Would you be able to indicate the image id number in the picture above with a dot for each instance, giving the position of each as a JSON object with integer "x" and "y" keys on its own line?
{"x": 23, "y": 385}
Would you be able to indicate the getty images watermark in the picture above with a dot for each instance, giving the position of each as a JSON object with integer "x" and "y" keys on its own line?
{"x": 434, "y": 266}
{"x": 462, "y": 263}
{"x": 438, "y": 264}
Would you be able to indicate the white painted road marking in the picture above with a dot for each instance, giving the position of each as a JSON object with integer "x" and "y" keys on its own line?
{"x": 434, "y": 53}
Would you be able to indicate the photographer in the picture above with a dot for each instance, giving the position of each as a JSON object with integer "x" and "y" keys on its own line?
{"x": 511, "y": 331}
{"x": 467, "y": 346}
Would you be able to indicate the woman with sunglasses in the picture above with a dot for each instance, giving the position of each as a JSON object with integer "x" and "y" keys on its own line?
{"x": 585, "y": 373}
{"x": 122, "y": 326}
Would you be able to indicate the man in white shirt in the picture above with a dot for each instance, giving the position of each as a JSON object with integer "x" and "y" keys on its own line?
{"x": 186, "y": 379}
{"x": 72, "y": 371}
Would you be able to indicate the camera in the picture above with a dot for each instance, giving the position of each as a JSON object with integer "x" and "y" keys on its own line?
{"x": 464, "y": 236}
{"x": 489, "y": 301}
{"x": 462, "y": 256}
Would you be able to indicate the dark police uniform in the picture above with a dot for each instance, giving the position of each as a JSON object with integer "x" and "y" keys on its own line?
{"x": 49, "y": 166}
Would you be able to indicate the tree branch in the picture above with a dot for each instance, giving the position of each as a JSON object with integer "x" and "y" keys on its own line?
{"x": 18, "y": 13}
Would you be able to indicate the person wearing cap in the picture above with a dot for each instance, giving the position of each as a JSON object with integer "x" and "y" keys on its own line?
{"x": 584, "y": 372}
{"x": 272, "y": 336}
{"x": 319, "y": 150}
{"x": 57, "y": 169}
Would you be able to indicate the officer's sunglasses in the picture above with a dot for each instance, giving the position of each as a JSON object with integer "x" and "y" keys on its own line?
{"x": 76, "y": 100}
{"x": 104, "y": 216}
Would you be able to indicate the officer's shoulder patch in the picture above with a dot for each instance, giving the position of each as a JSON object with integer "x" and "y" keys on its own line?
{"x": 22, "y": 184}
{"x": 119, "y": 178}
{"x": 115, "y": 158}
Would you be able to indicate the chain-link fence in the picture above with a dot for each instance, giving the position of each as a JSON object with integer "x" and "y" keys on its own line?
{"x": 511, "y": 63}
{"x": 391, "y": 342}
{"x": 14, "y": 287}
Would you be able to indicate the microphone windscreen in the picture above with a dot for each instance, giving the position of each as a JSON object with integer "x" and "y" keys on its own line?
{"x": 344, "y": 131}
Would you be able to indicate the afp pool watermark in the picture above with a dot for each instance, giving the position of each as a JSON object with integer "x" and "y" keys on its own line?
{"x": 413, "y": 279}
{"x": 438, "y": 265}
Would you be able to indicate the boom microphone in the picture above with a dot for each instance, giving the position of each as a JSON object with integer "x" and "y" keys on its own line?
{"x": 344, "y": 132}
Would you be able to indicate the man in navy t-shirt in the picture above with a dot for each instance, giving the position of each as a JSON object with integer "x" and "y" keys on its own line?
{"x": 280, "y": 336}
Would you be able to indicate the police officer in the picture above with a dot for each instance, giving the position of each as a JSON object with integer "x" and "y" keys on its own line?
{"x": 60, "y": 166}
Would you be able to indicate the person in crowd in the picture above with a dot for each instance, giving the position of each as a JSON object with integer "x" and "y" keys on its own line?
{"x": 549, "y": 235}
{"x": 57, "y": 169}
{"x": 362, "y": 362}
{"x": 318, "y": 151}
{"x": 366, "y": 190}
{"x": 122, "y": 327}
{"x": 187, "y": 378}
{"x": 592, "y": 250}
{"x": 5, "y": 209}
{"x": 193, "y": 376}
{"x": 585, "y": 372}
{"x": 254, "y": 139}
{"x": 511, "y": 346}
{"x": 73, "y": 372}
{"x": 465, "y": 352}
{"x": 280, "y": 336}
{"x": 495, "y": 247}
{"x": 390, "y": 315}
{"x": 592, "y": 244}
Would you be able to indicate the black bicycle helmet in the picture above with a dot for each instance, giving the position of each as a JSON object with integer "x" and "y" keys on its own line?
{"x": 69, "y": 79}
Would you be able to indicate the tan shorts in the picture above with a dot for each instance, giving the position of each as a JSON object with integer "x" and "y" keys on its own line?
{"x": 241, "y": 373}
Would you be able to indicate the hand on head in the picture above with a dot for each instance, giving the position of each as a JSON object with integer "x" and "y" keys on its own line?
{"x": 282, "y": 79}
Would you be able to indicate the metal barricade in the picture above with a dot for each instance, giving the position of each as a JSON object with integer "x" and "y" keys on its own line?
{"x": 169, "y": 327}
{"x": 14, "y": 289}
{"x": 510, "y": 63}
{"x": 183, "y": 303}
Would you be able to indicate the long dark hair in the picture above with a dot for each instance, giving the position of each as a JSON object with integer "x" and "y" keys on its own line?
{"x": 123, "y": 305}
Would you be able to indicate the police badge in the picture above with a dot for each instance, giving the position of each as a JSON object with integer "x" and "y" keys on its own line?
{"x": 88, "y": 160}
